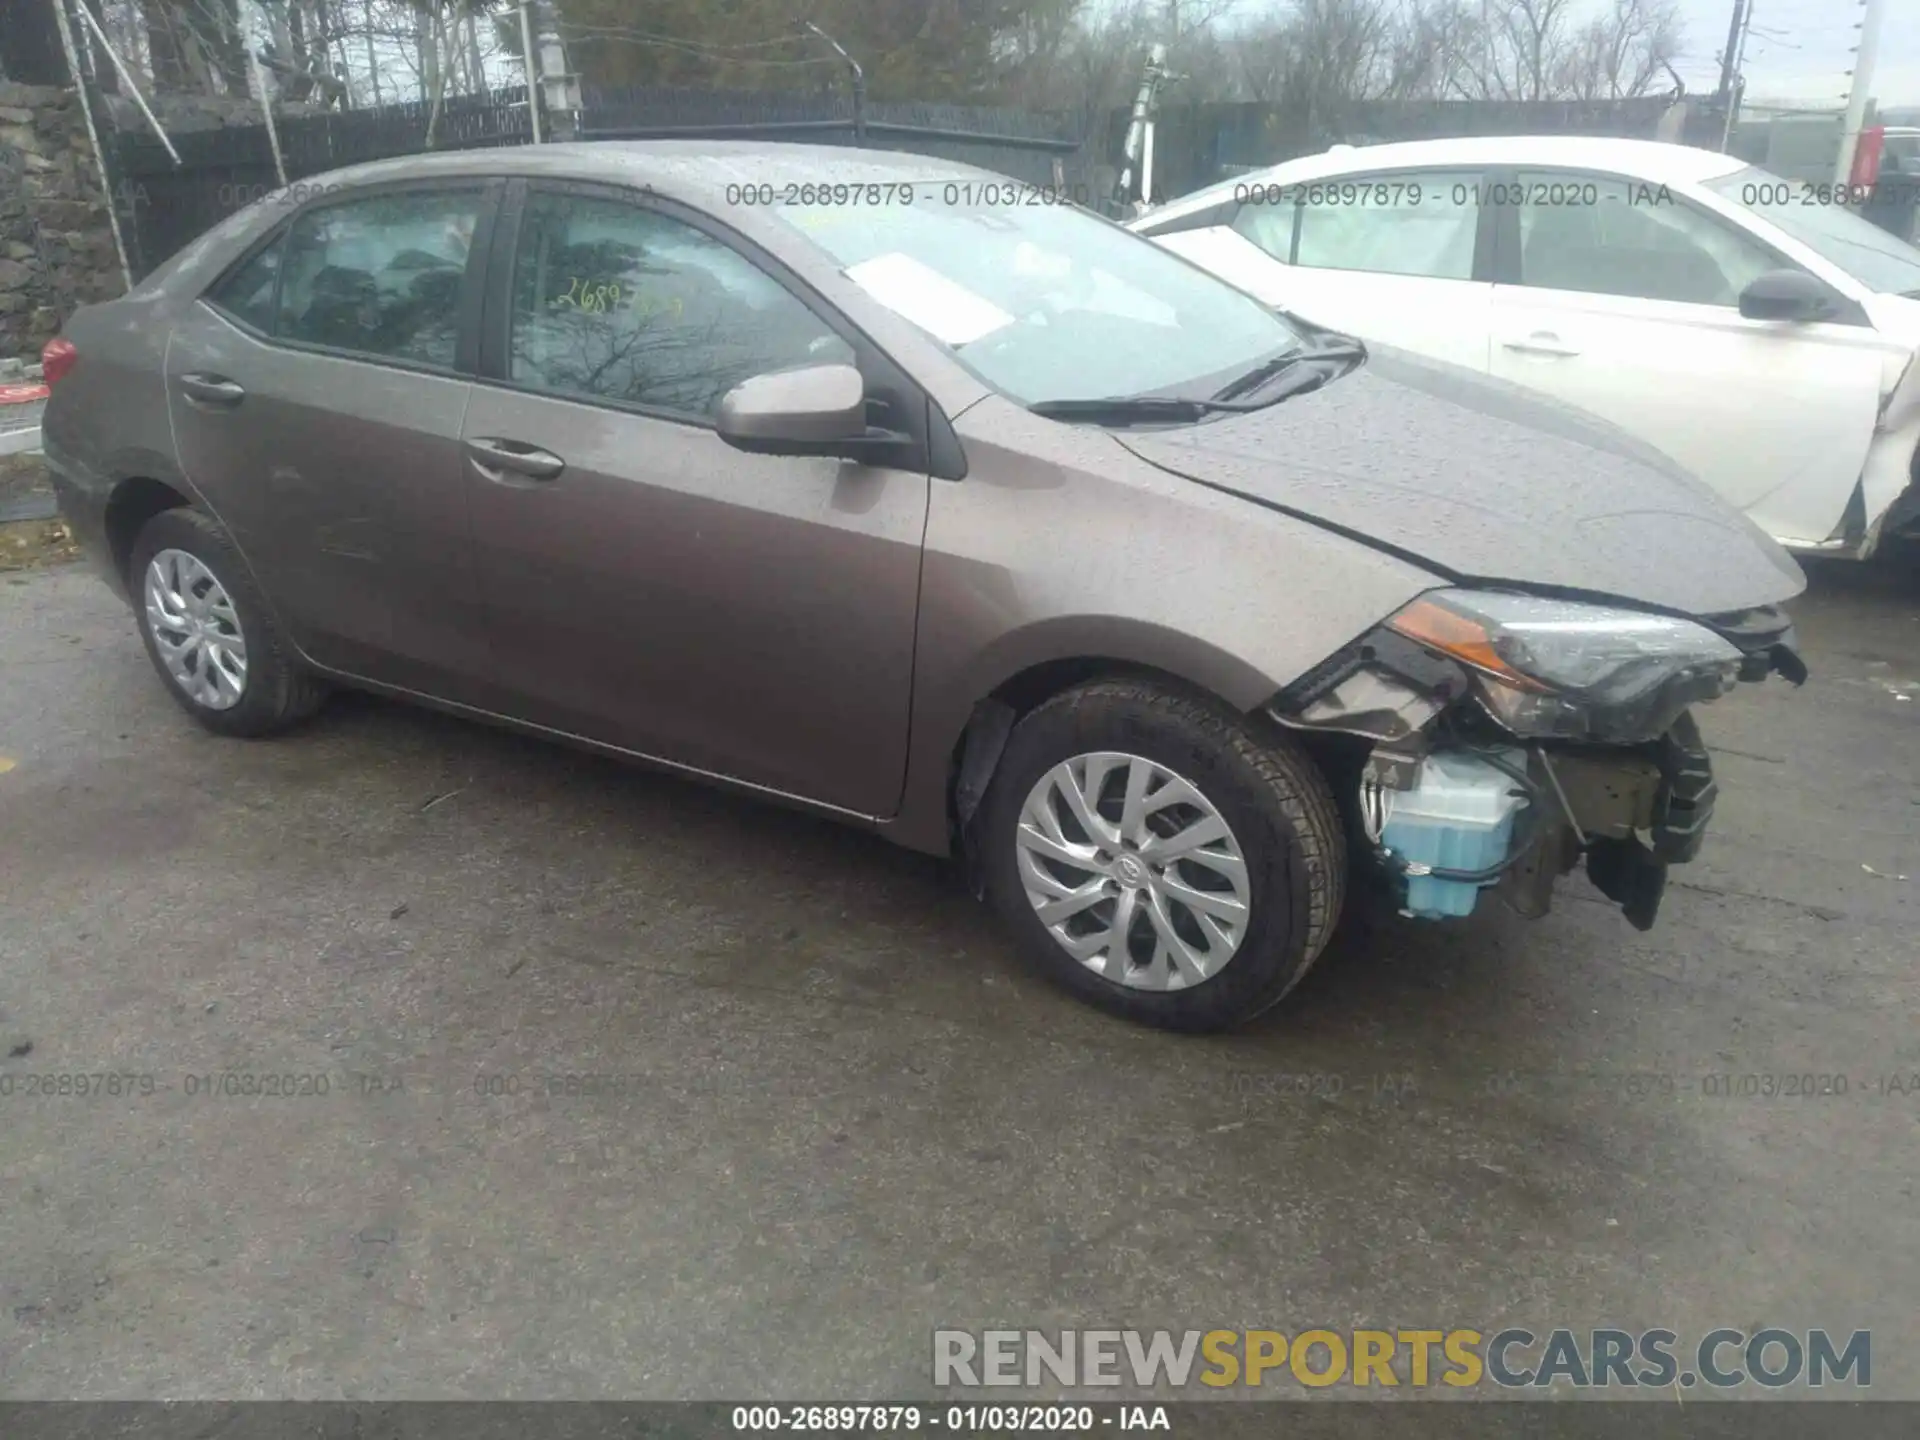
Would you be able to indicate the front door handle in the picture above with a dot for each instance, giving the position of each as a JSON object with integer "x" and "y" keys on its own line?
{"x": 1541, "y": 342}
{"x": 493, "y": 457}
{"x": 213, "y": 390}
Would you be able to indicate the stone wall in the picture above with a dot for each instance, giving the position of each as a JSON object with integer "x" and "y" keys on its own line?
{"x": 56, "y": 244}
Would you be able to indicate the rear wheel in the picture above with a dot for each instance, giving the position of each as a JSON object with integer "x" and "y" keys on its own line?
{"x": 1156, "y": 857}
{"x": 209, "y": 633}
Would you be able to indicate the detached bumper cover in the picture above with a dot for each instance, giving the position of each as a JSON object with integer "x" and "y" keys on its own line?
{"x": 1629, "y": 872}
{"x": 1687, "y": 794}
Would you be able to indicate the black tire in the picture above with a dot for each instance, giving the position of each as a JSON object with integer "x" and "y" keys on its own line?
{"x": 1269, "y": 791}
{"x": 277, "y": 693}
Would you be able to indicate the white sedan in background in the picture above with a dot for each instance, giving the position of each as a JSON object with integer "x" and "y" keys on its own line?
{"x": 1753, "y": 328}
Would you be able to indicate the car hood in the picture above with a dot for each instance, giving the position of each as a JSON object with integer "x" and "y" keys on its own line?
{"x": 1483, "y": 481}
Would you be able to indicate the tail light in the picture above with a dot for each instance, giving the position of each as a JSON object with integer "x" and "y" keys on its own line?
{"x": 57, "y": 357}
{"x": 1867, "y": 150}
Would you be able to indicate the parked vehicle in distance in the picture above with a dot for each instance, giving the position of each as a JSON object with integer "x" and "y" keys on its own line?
{"x": 1900, "y": 150}
{"x": 834, "y": 477}
{"x": 1756, "y": 330}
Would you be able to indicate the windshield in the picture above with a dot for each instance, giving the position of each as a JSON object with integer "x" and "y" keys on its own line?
{"x": 1046, "y": 302}
{"x": 1876, "y": 258}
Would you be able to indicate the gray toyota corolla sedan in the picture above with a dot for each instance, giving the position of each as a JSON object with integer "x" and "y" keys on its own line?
{"x": 887, "y": 488}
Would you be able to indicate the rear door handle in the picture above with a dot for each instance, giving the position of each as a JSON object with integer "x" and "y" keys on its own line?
{"x": 1541, "y": 342}
{"x": 496, "y": 458}
{"x": 213, "y": 390}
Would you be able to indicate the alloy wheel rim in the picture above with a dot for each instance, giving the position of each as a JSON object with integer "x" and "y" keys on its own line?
{"x": 1134, "y": 872}
{"x": 196, "y": 629}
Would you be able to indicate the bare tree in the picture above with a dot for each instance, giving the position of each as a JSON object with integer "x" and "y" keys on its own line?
{"x": 1621, "y": 54}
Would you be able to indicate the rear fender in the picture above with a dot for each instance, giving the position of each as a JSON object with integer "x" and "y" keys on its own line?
{"x": 1890, "y": 480}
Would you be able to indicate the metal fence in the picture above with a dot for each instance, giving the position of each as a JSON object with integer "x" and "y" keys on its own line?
{"x": 165, "y": 206}
{"x": 168, "y": 205}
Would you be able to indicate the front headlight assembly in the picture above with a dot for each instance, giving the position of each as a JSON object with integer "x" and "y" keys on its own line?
{"x": 1565, "y": 670}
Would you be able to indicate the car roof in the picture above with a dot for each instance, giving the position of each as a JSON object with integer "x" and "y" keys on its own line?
{"x": 695, "y": 170}
{"x": 1654, "y": 161}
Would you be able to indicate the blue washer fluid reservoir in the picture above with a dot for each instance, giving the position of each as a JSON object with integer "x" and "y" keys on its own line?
{"x": 1458, "y": 816}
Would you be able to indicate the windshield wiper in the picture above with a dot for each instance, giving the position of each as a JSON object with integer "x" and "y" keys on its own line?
{"x": 1133, "y": 409}
{"x": 1314, "y": 363}
{"x": 1334, "y": 349}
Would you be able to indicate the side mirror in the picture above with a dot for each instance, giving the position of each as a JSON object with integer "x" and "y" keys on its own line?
{"x": 815, "y": 410}
{"x": 1786, "y": 295}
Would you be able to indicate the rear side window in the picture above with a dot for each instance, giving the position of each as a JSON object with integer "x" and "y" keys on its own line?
{"x": 380, "y": 276}
{"x": 1420, "y": 224}
{"x": 247, "y": 294}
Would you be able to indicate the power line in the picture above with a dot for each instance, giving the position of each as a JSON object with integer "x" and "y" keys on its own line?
{"x": 719, "y": 54}
{"x": 628, "y": 32}
{"x": 688, "y": 48}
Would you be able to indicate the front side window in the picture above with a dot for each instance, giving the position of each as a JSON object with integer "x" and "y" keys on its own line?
{"x": 380, "y": 276}
{"x": 1878, "y": 259}
{"x": 614, "y": 302}
{"x": 1607, "y": 235}
{"x": 1044, "y": 302}
{"x": 1420, "y": 223}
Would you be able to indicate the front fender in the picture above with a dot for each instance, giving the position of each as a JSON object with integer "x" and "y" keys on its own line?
{"x": 1062, "y": 553}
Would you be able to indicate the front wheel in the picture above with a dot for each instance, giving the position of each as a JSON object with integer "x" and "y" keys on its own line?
{"x": 1155, "y": 856}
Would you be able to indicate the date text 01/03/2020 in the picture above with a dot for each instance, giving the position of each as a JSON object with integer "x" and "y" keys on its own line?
{"x": 1396, "y": 193}
{"x": 953, "y": 1419}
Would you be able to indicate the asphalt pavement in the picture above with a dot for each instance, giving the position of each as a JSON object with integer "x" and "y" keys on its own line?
{"x": 826, "y": 1111}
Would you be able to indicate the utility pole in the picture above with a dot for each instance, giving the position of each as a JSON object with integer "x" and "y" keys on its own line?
{"x": 858, "y": 76}
{"x": 373, "y": 61}
{"x": 533, "y": 71}
{"x": 1729, "y": 57}
{"x": 1137, "y": 125}
{"x": 1735, "y": 81}
{"x": 559, "y": 86}
{"x": 1864, "y": 58}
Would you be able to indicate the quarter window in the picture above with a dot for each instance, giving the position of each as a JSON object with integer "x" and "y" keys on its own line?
{"x": 1611, "y": 236}
{"x": 614, "y": 302}
{"x": 380, "y": 276}
{"x": 247, "y": 294}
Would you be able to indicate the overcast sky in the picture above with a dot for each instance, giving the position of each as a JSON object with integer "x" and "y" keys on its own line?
{"x": 1802, "y": 50}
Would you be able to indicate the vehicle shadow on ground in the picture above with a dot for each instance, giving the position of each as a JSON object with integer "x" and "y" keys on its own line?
{"x": 730, "y": 849}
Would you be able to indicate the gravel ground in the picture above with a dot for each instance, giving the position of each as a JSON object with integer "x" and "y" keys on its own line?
{"x": 837, "y": 1114}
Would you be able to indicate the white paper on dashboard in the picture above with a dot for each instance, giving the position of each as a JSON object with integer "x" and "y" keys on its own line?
{"x": 951, "y": 313}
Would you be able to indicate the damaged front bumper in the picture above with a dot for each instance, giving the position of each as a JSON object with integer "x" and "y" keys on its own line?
{"x": 1452, "y": 805}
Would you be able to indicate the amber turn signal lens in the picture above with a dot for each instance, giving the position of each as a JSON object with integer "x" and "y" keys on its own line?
{"x": 1464, "y": 639}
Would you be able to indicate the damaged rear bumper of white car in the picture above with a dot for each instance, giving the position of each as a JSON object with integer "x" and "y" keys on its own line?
{"x": 1501, "y": 739}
